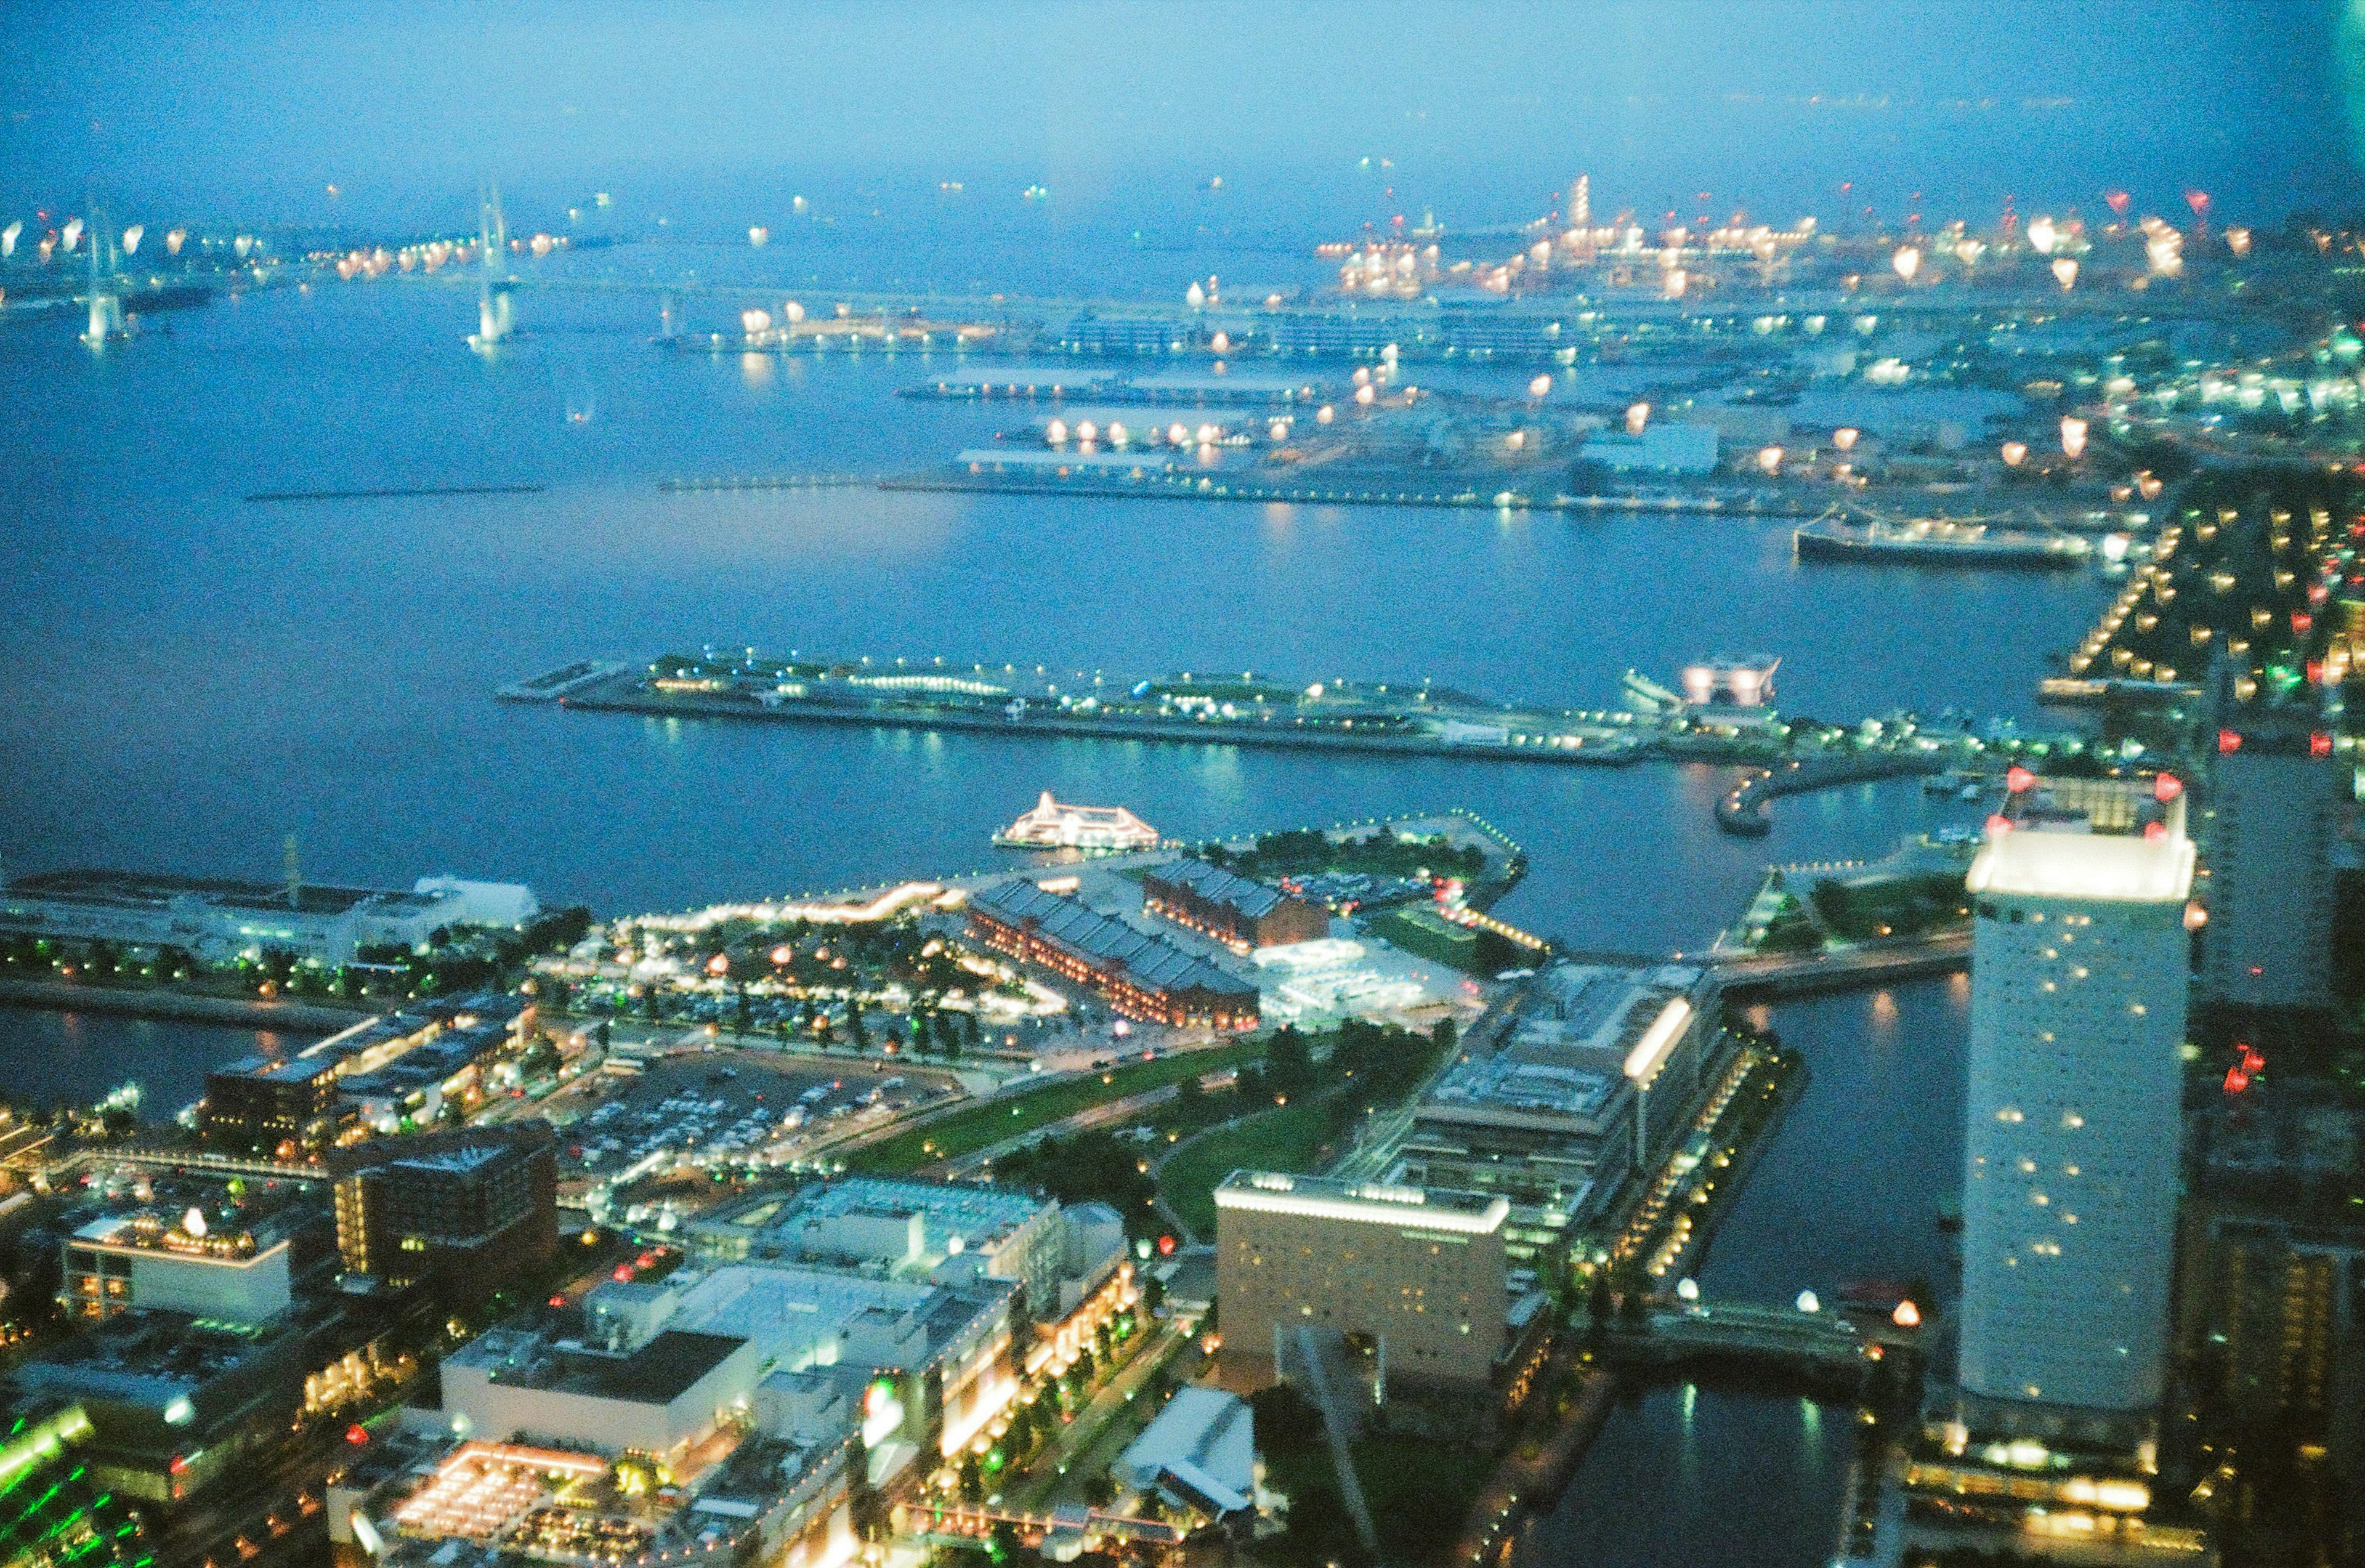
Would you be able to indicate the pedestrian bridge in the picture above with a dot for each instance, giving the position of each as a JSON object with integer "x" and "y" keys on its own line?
{"x": 963, "y": 1524}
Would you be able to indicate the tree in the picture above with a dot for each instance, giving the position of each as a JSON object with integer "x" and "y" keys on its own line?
{"x": 1443, "y": 1035}
{"x": 1284, "y": 1418}
{"x": 856, "y": 1032}
{"x": 1289, "y": 1065}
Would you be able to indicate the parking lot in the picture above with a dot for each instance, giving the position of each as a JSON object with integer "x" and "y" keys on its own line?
{"x": 710, "y": 1106}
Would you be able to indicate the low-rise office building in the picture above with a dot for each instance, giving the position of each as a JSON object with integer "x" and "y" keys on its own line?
{"x": 1135, "y": 973}
{"x": 146, "y": 1263}
{"x": 657, "y": 1396}
{"x": 942, "y": 1232}
{"x": 655, "y": 1366}
{"x": 388, "y": 1073}
{"x": 1593, "y": 1086}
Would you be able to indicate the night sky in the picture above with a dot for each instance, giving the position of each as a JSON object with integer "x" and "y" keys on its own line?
{"x": 247, "y": 113}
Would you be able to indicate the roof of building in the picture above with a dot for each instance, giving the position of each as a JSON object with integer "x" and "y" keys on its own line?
{"x": 2087, "y": 867}
{"x": 279, "y": 1070}
{"x": 95, "y": 885}
{"x": 979, "y": 1216}
{"x": 791, "y": 1313}
{"x": 1106, "y": 940}
{"x": 656, "y": 1372}
{"x": 1218, "y": 886}
{"x": 667, "y": 1367}
{"x": 1367, "y": 1203}
{"x": 1203, "y": 1440}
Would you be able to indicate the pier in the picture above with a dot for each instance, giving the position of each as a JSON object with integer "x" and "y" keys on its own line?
{"x": 1743, "y": 810}
{"x": 1398, "y": 719}
{"x": 776, "y": 482}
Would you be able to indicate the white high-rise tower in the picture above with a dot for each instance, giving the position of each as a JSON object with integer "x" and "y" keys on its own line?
{"x": 2081, "y": 964}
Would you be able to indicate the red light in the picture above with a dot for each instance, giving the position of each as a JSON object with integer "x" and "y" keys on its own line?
{"x": 357, "y": 1434}
{"x": 623, "y": 1274}
{"x": 2236, "y": 1081}
{"x": 1166, "y": 1246}
{"x": 2017, "y": 780}
{"x": 2252, "y": 1062}
{"x": 2316, "y": 672}
{"x": 2167, "y": 787}
{"x": 2319, "y": 744}
{"x": 2301, "y": 621}
{"x": 2228, "y": 741}
{"x": 180, "y": 1462}
{"x": 558, "y": 1301}
{"x": 2155, "y": 831}
{"x": 1998, "y": 824}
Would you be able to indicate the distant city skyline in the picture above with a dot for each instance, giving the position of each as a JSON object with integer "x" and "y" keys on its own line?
{"x": 1124, "y": 112}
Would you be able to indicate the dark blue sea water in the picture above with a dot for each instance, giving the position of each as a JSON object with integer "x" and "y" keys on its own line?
{"x": 192, "y": 677}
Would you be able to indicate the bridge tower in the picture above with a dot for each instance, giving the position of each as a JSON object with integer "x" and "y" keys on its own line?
{"x": 106, "y": 288}
{"x": 495, "y": 320}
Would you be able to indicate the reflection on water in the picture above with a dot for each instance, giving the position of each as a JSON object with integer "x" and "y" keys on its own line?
{"x": 73, "y": 1058}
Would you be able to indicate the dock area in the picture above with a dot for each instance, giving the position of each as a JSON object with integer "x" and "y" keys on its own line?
{"x": 1250, "y": 710}
{"x": 1414, "y": 718}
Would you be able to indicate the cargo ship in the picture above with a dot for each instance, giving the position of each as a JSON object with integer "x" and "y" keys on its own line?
{"x": 1935, "y": 541}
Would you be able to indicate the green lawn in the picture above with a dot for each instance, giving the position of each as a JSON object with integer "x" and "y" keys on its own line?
{"x": 1419, "y": 1492}
{"x": 1289, "y": 1138}
{"x": 980, "y": 1127}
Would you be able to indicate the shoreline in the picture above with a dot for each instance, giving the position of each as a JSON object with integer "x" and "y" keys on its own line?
{"x": 57, "y": 996}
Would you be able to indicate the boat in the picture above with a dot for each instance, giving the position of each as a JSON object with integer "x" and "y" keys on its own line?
{"x": 1937, "y": 540}
{"x": 1055, "y": 824}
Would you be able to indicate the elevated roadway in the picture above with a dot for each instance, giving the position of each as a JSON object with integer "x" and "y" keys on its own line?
{"x": 1799, "y": 974}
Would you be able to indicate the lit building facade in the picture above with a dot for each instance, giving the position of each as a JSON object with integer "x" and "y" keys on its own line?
{"x": 2080, "y": 965}
{"x": 481, "y": 1199}
{"x": 1241, "y": 913}
{"x": 1134, "y": 972}
{"x": 143, "y": 1261}
{"x": 1420, "y": 1274}
{"x": 1054, "y": 824}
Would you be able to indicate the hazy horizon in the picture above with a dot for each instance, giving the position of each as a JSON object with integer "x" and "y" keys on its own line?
{"x": 1127, "y": 113}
